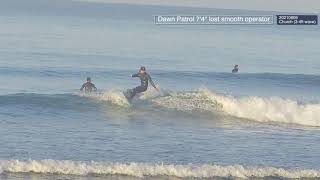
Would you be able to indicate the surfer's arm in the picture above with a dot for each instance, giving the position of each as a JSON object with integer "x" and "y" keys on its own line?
{"x": 93, "y": 87}
{"x": 81, "y": 89}
{"x": 135, "y": 75}
{"x": 151, "y": 82}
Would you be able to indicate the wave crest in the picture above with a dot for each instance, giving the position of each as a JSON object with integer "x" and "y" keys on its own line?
{"x": 261, "y": 109}
{"x": 272, "y": 109}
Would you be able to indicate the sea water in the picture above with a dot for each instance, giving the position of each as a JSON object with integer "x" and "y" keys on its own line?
{"x": 204, "y": 123}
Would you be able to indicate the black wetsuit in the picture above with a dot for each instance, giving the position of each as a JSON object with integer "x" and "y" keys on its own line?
{"x": 145, "y": 78}
{"x": 88, "y": 87}
{"x": 235, "y": 70}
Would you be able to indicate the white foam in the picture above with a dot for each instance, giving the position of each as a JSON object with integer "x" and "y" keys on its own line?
{"x": 142, "y": 169}
{"x": 150, "y": 94}
{"x": 261, "y": 109}
{"x": 115, "y": 97}
{"x": 189, "y": 101}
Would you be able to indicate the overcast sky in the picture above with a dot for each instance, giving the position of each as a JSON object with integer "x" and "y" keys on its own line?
{"x": 307, "y": 6}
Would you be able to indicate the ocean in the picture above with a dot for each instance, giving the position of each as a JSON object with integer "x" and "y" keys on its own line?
{"x": 205, "y": 123}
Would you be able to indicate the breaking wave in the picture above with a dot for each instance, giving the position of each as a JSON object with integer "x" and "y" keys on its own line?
{"x": 261, "y": 109}
{"x": 271, "y": 109}
{"x": 142, "y": 169}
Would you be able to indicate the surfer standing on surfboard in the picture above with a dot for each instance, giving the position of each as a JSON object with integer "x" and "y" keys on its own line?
{"x": 145, "y": 78}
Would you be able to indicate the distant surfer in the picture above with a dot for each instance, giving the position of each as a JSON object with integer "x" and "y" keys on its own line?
{"x": 145, "y": 78}
{"x": 88, "y": 86}
{"x": 235, "y": 69}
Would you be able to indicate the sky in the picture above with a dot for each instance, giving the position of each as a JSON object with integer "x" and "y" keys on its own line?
{"x": 306, "y": 6}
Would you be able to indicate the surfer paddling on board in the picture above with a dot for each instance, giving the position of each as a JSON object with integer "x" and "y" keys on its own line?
{"x": 88, "y": 86}
{"x": 145, "y": 78}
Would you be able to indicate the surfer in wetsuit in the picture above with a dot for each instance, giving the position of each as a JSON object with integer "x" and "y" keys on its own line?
{"x": 145, "y": 78}
{"x": 235, "y": 69}
{"x": 88, "y": 86}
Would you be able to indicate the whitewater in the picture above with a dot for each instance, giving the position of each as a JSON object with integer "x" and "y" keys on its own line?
{"x": 150, "y": 170}
{"x": 262, "y": 109}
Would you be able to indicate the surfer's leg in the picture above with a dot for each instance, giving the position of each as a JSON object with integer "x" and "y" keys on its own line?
{"x": 132, "y": 93}
{"x": 137, "y": 90}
